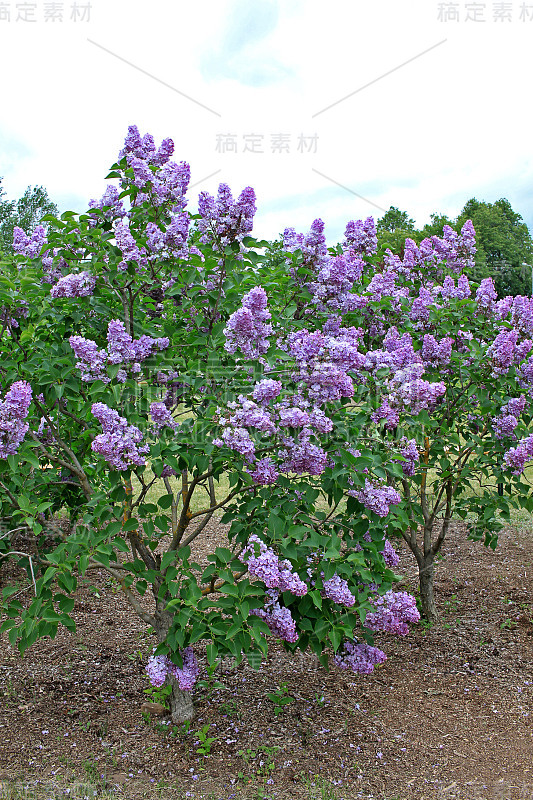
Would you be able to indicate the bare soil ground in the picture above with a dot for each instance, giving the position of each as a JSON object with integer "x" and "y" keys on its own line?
{"x": 449, "y": 715}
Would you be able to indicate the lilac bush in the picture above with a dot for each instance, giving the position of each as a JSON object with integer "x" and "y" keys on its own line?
{"x": 321, "y": 405}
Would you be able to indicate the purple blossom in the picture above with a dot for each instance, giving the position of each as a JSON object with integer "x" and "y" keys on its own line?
{"x": 393, "y": 611}
{"x": 126, "y": 243}
{"x": 91, "y": 361}
{"x": 504, "y": 426}
{"x": 361, "y": 236}
{"x": 162, "y": 417}
{"x": 265, "y": 472}
{"x": 266, "y": 567}
{"x": 409, "y": 450}
{"x": 390, "y": 556}
{"x": 110, "y": 203}
{"x": 502, "y": 352}
{"x": 436, "y": 353}
{"x": 376, "y": 498}
{"x": 278, "y": 618}
{"x": 120, "y": 443}
{"x": 224, "y": 221}
{"x": 266, "y": 390}
{"x": 336, "y": 589}
{"x": 486, "y": 294}
{"x": 160, "y": 667}
{"x": 516, "y": 458}
{"x": 248, "y": 328}
{"x": 29, "y": 246}
{"x": 13, "y": 412}
{"x": 80, "y": 284}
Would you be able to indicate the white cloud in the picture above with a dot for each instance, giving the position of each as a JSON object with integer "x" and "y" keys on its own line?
{"x": 447, "y": 125}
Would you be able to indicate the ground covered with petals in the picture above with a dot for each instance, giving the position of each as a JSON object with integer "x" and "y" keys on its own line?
{"x": 448, "y": 715}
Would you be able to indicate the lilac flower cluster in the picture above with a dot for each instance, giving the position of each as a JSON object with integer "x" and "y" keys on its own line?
{"x": 120, "y": 443}
{"x": 504, "y": 426}
{"x": 486, "y": 295}
{"x": 361, "y": 658}
{"x": 459, "y": 292}
{"x": 521, "y": 310}
{"x": 110, "y": 203}
{"x": 157, "y": 179}
{"x": 361, "y": 237}
{"x": 517, "y": 457}
{"x": 121, "y": 349}
{"x": 159, "y": 668}
{"x": 409, "y": 450}
{"x": 393, "y": 611}
{"x": 248, "y": 328}
{"x": 13, "y": 412}
{"x": 336, "y": 589}
{"x": 278, "y": 618}
{"x": 161, "y": 417}
{"x": 436, "y": 353}
{"x": 390, "y": 556}
{"x": 503, "y": 352}
{"x": 29, "y": 246}
{"x": 376, "y": 498}
{"x": 224, "y": 221}
{"x": 267, "y": 567}
{"x": 77, "y": 284}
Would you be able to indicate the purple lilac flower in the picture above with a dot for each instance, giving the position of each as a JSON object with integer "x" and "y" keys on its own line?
{"x": 13, "y": 412}
{"x": 121, "y": 349}
{"x": 29, "y": 246}
{"x": 361, "y": 658}
{"x": 502, "y": 352}
{"x": 460, "y": 292}
{"x": 376, "y": 498}
{"x": 157, "y": 670}
{"x": 110, "y": 203}
{"x": 187, "y": 675}
{"x": 409, "y": 450}
{"x": 266, "y": 390}
{"x": 160, "y": 667}
{"x": 393, "y": 611}
{"x": 265, "y": 472}
{"x": 224, "y": 221}
{"x": 91, "y": 361}
{"x": 390, "y": 556}
{"x": 504, "y": 426}
{"x": 79, "y": 284}
{"x": 336, "y": 589}
{"x": 436, "y": 353}
{"x": 162, "y": 417}
{"x": 126, "y": 243}
{"x": 278, "y": 618}
{"x": 248, "y": 328}
{"x": 515, "y": 406}
{"x": 120, "y": 443}
{"x": 486, "y": 295}
{"x": 516, "y": 458}
{"x": 361, "y": 236}
{"x": 266, "y": 567}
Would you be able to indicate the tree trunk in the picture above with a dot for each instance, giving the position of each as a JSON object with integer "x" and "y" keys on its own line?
{"x": 181, "y": 705}
{"x": 426, "y": 571}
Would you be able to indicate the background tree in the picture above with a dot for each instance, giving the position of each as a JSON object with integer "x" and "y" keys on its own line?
{"x": 27, "y": 212}
{"x": 504, "y": 245}
{"x": 394, "y": 227}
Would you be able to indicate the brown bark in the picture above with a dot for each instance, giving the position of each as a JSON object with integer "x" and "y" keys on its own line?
{"x": 181, "y": 703}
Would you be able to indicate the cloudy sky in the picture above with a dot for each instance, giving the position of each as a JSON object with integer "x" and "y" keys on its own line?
{"x": 334, "y": 110}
